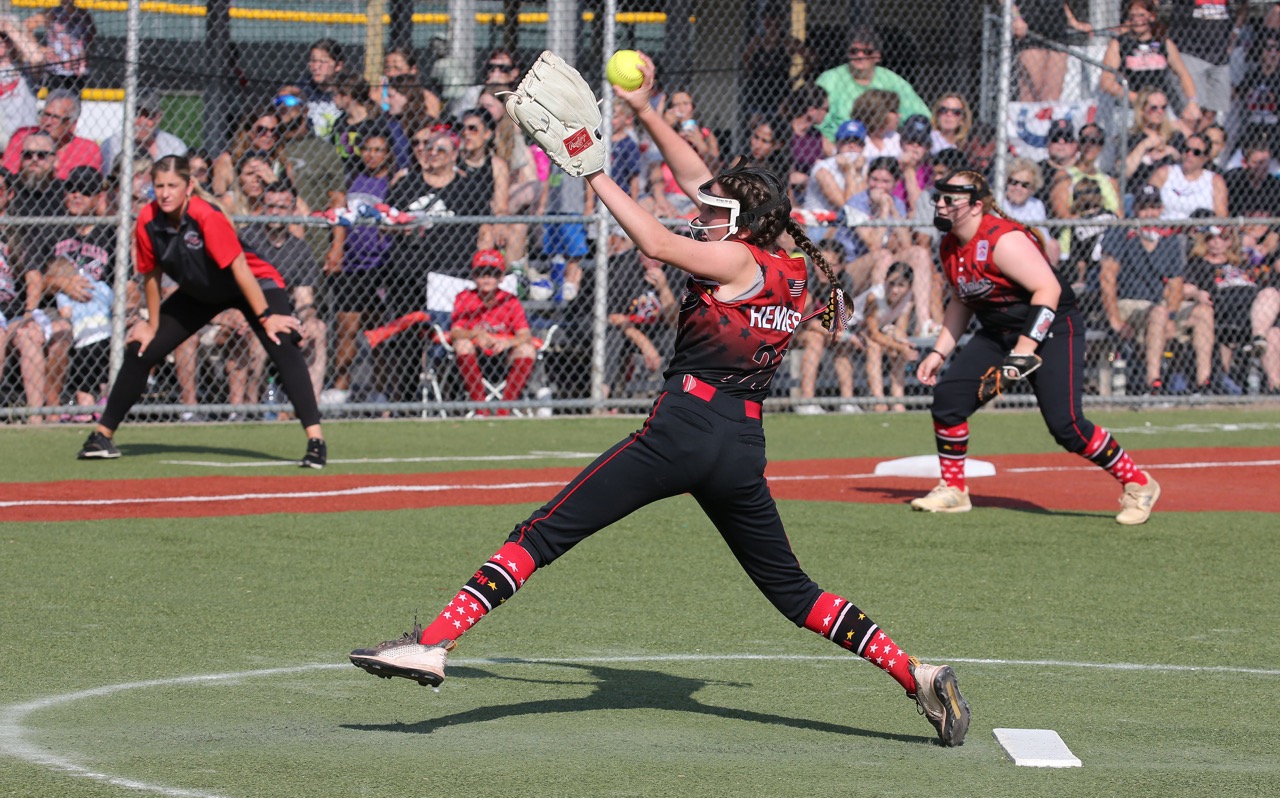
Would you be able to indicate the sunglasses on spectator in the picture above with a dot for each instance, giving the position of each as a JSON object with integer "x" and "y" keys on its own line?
{"x": 1019, "y": 183}
{"x": 487, "y": 271}
{"x": 946, "y": 109}
{"x": 37, "y": 154}
{"x": 492, "y": 65}
{"x": 472, "y": 128}
{"x": 1096, "y": 141}
{"x": 856, "y": 52}
{"x": 287, "y": 100}
{"x": 47, "y": 114}
{"x": 1154, "y": 107}
{"x": 1196, "y": 151}
{"x": 261, "y": 130}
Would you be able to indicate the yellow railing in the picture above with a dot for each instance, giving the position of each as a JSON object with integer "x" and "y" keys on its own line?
{"x": 327, "y": 18}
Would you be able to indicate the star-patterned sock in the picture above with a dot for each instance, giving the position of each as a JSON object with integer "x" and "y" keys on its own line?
{"x": 1112, "y": 458}
{"x": 953, "y": 448}
{"x": 848, "y": 627}
{"x": 492, "y": 584}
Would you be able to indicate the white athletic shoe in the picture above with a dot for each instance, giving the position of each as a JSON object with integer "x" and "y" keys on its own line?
{"x": 810, "y": 410}
{"x": 406, "y": 658}
{"x": 944, "y": 499}
{"x": 1137, "y": 501}
{"x": 938, "y": 699}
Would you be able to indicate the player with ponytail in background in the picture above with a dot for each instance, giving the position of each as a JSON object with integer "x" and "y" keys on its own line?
{"x": 1030, "y": 329}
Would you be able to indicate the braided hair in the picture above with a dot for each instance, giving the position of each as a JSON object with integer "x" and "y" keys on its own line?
{"x": 982, "y": 193}
{"x": 756, "y": 188}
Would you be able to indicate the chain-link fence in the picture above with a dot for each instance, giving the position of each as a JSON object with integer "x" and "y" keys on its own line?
{"x": 362, "y": 150}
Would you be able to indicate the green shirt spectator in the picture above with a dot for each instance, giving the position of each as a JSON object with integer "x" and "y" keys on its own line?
{"x": 848, "y": 82}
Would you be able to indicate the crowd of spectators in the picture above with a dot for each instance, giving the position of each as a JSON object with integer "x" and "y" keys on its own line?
{"x": 856, "y": 138}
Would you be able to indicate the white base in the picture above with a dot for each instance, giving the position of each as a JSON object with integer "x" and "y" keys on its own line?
{"x": 926, "y": 465}
{"x": 1036, "y": 748}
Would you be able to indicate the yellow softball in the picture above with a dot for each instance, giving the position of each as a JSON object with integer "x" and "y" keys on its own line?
{"x": 623, "y": 70}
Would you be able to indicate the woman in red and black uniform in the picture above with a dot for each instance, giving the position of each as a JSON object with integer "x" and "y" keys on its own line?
{"x": 741, "y": 306}
{"x": 185, "y": 238}
{"x": 997, "y": 271}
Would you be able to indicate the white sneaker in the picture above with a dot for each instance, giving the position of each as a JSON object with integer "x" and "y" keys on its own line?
{"x": 850, "y": 408}
{"x": 944, "y": 499}
{"x": 810, "y": 410}
{"x": 406, "y": 658}
{"x": 1138, "y": 501}
{"x": 938, "y": 698}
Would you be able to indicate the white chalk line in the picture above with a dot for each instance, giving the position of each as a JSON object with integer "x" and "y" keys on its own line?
{"x": 14, "y": 742}
{"x": 496, "y": 458}
{"x": 370, "y": 490}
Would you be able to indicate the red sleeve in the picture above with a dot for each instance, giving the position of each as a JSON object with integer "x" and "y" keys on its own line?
{"x": 13, "y": 153}
{"x": 220, "y": 239}
{"x": 464, "y": 315}
{"x": 513, "y": 315}
{"x": 144, "y": 257}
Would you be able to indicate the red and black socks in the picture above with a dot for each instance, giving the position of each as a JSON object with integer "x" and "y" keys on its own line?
{"x": 848, "y": 627}
{"x": 495, "y": 582}
{"x": 1110, "y": 456}
{"x": 953, "y": 448}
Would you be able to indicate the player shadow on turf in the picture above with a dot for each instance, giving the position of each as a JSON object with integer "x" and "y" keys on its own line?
{"x": 985, "y": 502}
{"x": 139, "y": 449}
{"x": 618, "y": 689}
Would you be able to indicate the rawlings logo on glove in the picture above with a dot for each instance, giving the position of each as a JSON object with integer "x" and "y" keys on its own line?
{"x": 556, "y": 108}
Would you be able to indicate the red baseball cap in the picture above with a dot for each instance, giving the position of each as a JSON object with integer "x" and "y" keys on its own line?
{"x": 488, "y": 258}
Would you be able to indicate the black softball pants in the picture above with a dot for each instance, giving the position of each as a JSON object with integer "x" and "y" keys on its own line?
{"x": 1058, "y": 384}
{"x": 182, "y": 317}
{"x": 709, "y": 449}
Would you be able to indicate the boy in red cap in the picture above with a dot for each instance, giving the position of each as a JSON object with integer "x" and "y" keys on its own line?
{"x": 491, "y": 322}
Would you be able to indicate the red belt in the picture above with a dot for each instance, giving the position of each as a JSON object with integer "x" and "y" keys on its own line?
{"x": 696, "y": 387}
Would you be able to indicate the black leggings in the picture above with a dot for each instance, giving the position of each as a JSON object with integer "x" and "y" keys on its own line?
{"x": 182, "y": 317}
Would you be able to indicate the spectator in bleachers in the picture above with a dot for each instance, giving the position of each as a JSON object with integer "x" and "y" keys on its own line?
{"x": 980, "y": 148}
{"x": 258, "y": 136}
{"x": 1257, "y": 97}
{"x": 763, "y": 149}
{"x": 405, "y": 104}
{"x": 361, "y": 118}
{"x": 1093, "y": 140}
{"x": 301, "y": 272}
{"x": 19, "y": 54}
{"x": 1042, "y": 68}
{"x": 813, "y": 339}
{"x": 834, "y": 180}
{"x": 1064, "y": 153}
{"x": 1141, "y": 286}
{"x": 528, "y": 183}
{"x": 314, "y": 165}
{"x": 58, "y": 119}
{"x": 641, "y": 319}
{"x": 917, "y": 172}
{"x": 490, "y": 176}
{"x": 150, "y": 139}
{"x": 490, "y": 323}
{"x": 201, "y": 169}
{"x": 681, "y": 115}
{"x": 400, "y": 62}
{"x": 1203, "y": 30}
{"x": 805, "y": 143}
{"x": 1022, "y": 205}
{"x": 767, "y": 59}
{"x": 1188, "y": 185}
{"x": 662, "y": 203}
{"x": 878, "y": 110}
{"x": 844, "y": 84}
{"x": 952, "y": 120}
{"x": 325, "y": 60}
{"x": 1080, "y": 260}
{"x": 565, "y": 243}
{"x": 69, "y": 32}
{"x": 499, "y": 73}
{"x": 624, "y": 154}
{"x": 875, "y": 249}
{"x": 1252, "y": 186}
{"x": 355, "y": 265}
{"x": 1154, "y": 139}
{"x": 1217, "y": 138}
{"x": 36, "y": 192}
{"x": 1148, "y": 59}
{"x": 17, "y": 316}
{"x": 1219, "y": 276}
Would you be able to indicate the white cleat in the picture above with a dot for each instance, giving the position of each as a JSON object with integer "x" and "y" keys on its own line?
{"x": 938, "y": 699}
{"x": 944, "y": 499}
{"x": 406, "y": 658}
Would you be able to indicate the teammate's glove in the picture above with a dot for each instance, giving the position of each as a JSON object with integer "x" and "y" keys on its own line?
{"x": 1014, "y": 368}
{"x": 555, "y": 107}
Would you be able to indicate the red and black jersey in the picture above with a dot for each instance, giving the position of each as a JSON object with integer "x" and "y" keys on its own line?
{"x": 503, "y": 316}
{"x": 997, "y": 301}
{"x": 197, "y": 253}
{"x": 737, "y": 346}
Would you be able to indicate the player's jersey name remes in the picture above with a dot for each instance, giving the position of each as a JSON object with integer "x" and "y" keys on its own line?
{"x": 774, "y": 317}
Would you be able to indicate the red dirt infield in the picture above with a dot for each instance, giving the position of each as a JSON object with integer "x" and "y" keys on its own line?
{"x": 1193, "y": 480}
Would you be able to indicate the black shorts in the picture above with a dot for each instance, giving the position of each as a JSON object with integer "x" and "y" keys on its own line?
{"x": 89, "y": 367}
{"x": 354, "y": 292}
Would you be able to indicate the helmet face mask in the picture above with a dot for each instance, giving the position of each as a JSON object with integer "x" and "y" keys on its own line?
{"x": 739, "y": 218}
{"x": 715, "y": 201}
